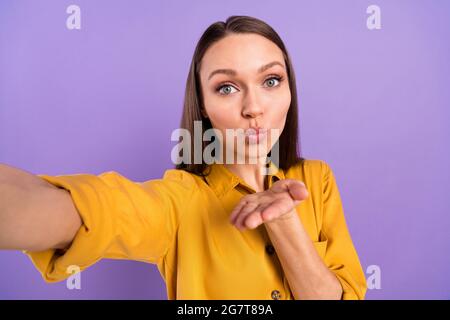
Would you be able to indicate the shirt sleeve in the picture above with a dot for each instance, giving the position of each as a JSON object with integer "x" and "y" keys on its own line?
{"x": 340, "y": 256}
{"x": 121, "y": 219}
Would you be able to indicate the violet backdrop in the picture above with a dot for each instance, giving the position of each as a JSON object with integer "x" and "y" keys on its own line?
{"x": 374, "y": 104}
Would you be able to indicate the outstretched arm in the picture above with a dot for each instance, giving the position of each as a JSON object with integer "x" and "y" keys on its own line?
{"x": 34, "y": 214}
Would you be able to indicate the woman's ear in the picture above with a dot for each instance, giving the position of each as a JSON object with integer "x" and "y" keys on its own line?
{"x": 204, "y": 114}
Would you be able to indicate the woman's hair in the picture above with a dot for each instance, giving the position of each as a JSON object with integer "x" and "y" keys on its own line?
{"x": 289, "y": 145}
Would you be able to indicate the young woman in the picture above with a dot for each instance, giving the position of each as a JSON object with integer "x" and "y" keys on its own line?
{"x": 223, "y": 230}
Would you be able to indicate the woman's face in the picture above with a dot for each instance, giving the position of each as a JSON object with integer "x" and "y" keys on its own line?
{"x": 245, "y": 85}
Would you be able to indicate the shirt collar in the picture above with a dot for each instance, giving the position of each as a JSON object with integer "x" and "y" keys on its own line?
{"x": 222, "y": 180}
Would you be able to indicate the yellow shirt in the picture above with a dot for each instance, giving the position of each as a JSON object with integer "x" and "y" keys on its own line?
{"x": 181, "y": 224}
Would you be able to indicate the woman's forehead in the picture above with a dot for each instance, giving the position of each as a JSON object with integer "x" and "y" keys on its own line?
{"x": 245, "y": 53}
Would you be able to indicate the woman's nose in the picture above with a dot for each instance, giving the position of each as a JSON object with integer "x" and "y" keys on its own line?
{"x": 251, "y": 108}
{"x": 252, "y": 112}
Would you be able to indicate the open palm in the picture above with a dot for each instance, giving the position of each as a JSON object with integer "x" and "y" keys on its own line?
{"x": 276, "y": 203}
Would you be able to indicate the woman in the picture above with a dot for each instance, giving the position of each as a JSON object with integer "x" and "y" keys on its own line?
{"x": 224, "y": 230}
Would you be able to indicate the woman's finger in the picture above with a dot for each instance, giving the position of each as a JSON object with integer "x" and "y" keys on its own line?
{"x": 295, "y": 188}
{"x": 276, "y": 209}
{"x": 254, "y": 219}
{"x": 243, "y": 202}
{"x": 244, "y": 212}
{"x": 298, "y": 191}
{"x": 236, "y": 210}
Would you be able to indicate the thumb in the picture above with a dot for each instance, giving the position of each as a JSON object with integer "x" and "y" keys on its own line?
{"x": 295, "y": 188}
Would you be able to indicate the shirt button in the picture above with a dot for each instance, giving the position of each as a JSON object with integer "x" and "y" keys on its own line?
{"x": 270, "y": 249}
{"x": 276, "y": 295}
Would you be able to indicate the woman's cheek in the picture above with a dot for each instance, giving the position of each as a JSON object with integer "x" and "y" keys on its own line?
{"x": 285, "y": 100}
{"x": 278, "y": 113}
{"x": 223, "y": 118}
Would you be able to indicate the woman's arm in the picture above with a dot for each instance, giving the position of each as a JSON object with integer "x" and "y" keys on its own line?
{"x": 34, "y": 215}
{"x": 307, "y": 274}
{"x": 305, "y": 269}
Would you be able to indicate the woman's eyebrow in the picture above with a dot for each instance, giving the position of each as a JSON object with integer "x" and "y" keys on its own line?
{"x": 232, "y": 72}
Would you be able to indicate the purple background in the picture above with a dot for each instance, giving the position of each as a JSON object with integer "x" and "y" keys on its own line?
{"x": 374, "y": 104}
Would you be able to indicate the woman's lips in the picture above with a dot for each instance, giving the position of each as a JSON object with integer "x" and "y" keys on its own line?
{"x": 255, "y": 135}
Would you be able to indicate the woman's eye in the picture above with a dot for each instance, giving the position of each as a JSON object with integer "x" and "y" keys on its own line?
{"x": 273, "y": 81}
{"x": 226, "y": 89}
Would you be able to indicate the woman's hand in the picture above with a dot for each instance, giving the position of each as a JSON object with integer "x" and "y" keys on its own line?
{"x": 274, "y": 204}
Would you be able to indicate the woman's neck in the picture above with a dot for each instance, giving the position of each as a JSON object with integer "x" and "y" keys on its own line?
{"x": 253, "y": 174}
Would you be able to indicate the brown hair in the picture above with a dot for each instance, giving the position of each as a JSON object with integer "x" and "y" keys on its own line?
{"x": 193, "y": 101}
